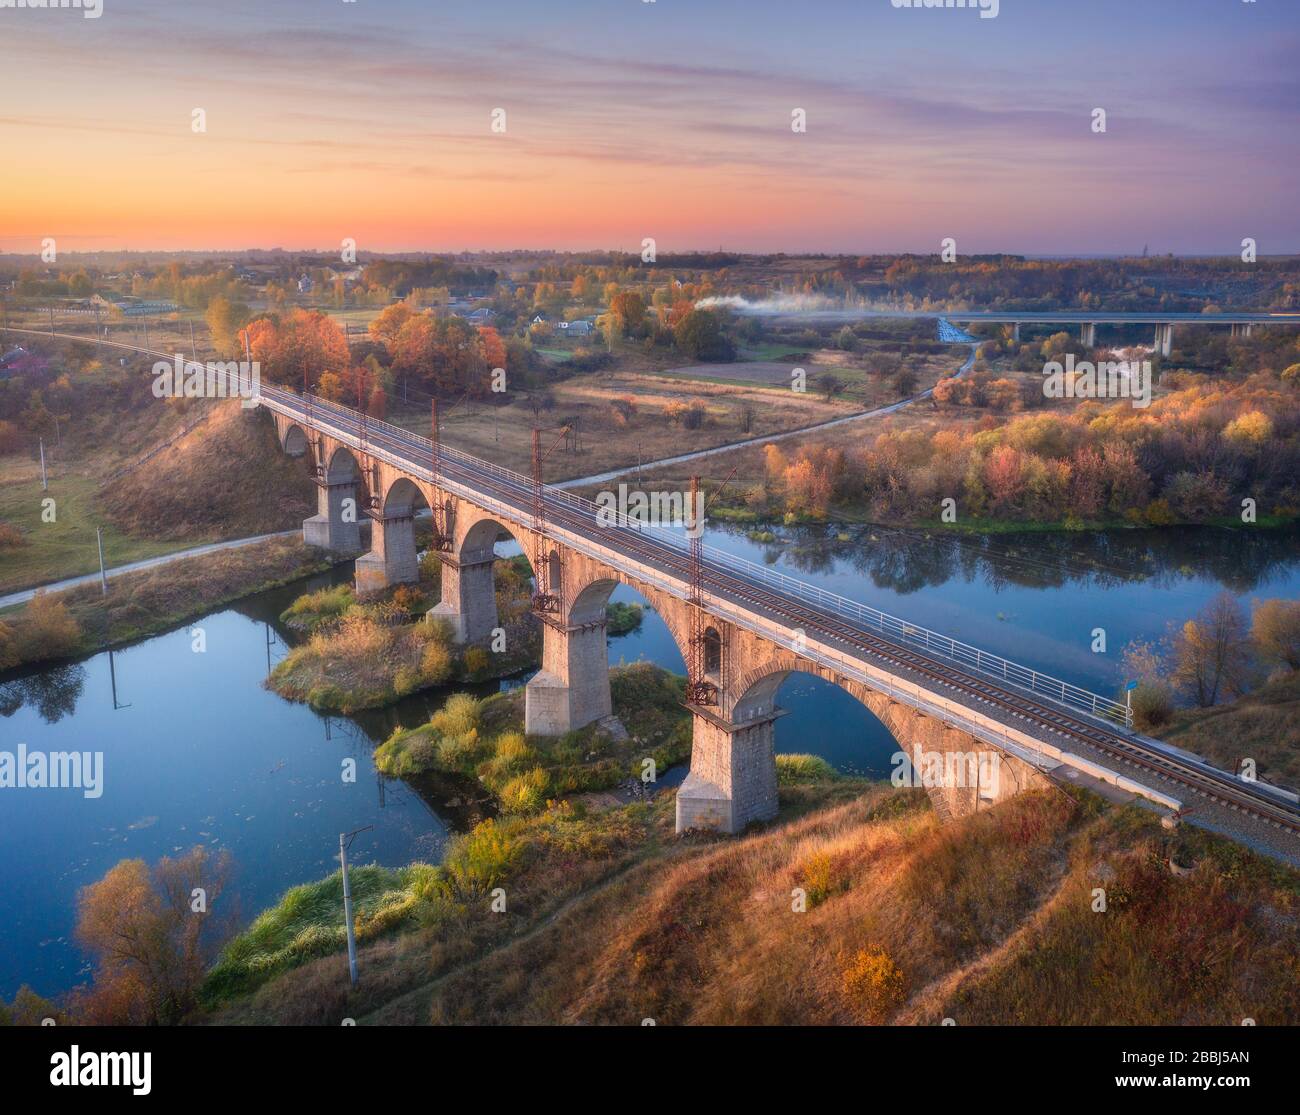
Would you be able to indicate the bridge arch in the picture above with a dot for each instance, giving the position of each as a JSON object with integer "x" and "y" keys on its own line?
{"x": 983, "y": 773}
{"x": 342, "y": 467}
{"x": 479, "y": 540}
{"x": 588, "y": 601}
{"x": 294, "y": 442}
{"x": 404, "y": 497}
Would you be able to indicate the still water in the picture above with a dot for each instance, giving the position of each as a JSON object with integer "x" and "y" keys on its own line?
{"x": 196, "y": 751}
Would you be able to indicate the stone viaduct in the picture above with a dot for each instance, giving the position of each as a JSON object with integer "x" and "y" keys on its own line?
{"x": 385, "y": 474}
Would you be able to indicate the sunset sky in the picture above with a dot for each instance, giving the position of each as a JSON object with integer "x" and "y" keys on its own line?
{"x": 670, "y": 119}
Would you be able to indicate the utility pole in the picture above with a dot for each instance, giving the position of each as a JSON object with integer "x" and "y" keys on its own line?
{"x": 194, "y": 352}
{"x": 103, "y": 576}
{"x": 50, "y": 307}
{"x": 438, "y": 504}
{"x": 345, "y": 842}
{"x": 45, "y": 485}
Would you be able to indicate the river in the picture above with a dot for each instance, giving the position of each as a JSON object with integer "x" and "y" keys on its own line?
{"x": 197, "y": 751}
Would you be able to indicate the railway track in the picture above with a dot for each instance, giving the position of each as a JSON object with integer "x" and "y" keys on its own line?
{"x": 1206, "y": 781}
{"x": 1219, "y": 787}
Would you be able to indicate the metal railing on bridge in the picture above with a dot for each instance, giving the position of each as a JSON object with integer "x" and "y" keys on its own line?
{"x": 900, "y": 631}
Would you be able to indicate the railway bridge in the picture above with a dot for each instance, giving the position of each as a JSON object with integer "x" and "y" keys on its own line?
{"x": 741, "y": 628}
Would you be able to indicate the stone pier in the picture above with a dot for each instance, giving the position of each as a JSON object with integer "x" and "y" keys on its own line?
{"x": 392, "y": 559}
{"x": 469, "y": 601}
{"x": 732, "y": 782}
{"x": 572, "y": 688}
{"x": 335, "y": 527}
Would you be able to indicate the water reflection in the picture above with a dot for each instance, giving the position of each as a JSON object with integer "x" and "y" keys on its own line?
{"x": 197, "y": 750}
{"x": 52, "y": 692}
{"x": 907, "y": 561}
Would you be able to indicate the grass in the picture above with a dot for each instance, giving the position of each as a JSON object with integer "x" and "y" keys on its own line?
{"x": 308, "y": 922}
{"x": 502, "y": 434}
{"x": 368, "y": 654}
{"x": 792, "y": 769}
{"x": 226, "y": 478}
{"x": 1264, "y": 725}
{"x": 312, "y": 609}
{"x": 153, "y": 600}
{"x": 65, "y": 547}
{"x": 483, "y": 739}
{"x": 989, "y": 919}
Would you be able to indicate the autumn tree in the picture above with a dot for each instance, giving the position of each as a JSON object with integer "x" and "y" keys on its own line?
{"x": 388, "y": 324}
{"x": 1212, "y": 652}
{"x": 493, "y": 347}
{"x": 830, "y": 385}
{"x": 153, "y": 934}
{"x": 225, "y": 319}
{"x": 628, "y": 312}
{"x": 302, "y": 343}
{"x": 1275, "y": 630}
{"x": 699, "y": 335}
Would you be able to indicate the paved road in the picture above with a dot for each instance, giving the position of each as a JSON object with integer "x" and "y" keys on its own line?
{"x": 149, "y": 563}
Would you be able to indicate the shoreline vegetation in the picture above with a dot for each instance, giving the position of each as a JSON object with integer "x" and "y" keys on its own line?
{"x": 483, "y": 739}
{"x": 569, "y": 915}
{"x": 58, "y": 626}
{"x": 541, "y": 788}
{"x": 570, "y": 911}
{"x": 368, "y": 652}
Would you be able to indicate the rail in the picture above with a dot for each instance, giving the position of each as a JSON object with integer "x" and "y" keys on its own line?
{"x": 901, "y": 631}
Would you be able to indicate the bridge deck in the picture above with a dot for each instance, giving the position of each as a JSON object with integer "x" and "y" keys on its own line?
{"x": 883, "y": 657}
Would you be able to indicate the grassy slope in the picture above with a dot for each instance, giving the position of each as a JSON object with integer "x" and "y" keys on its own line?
{"x": 1263, "y": 725}
{"x": 987, "y": 920}
{"x": 226, "y": 478}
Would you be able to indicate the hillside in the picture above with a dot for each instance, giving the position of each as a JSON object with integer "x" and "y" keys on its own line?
{"x": 989, "y": 920}
{"x": 225, "y": 478}
{"x": 1264, "y": 725}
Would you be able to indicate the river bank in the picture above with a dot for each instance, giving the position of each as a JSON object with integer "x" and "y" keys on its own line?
{"x": 841, "y": 912}
{"x": 61, "y": 626}
{"x": 198, "y": 750}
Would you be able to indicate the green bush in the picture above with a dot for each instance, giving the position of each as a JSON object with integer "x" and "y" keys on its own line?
{"x": 1153, "y": 706}
{"x": 525, "y": 793}
{"x": 435, "y": 664}
{"x": 803, "y": 768}
{"x": 312, "y": 609}
{"x": 483, "y": 858}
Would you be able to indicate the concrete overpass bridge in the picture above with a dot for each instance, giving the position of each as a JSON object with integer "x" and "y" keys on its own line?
{"x": 1240, "y": 323}
{"x": 741, "y": 628}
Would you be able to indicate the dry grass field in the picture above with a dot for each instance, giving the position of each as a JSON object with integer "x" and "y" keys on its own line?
{"x": 988, "y": 920}
{"x": 610, "y": 436}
